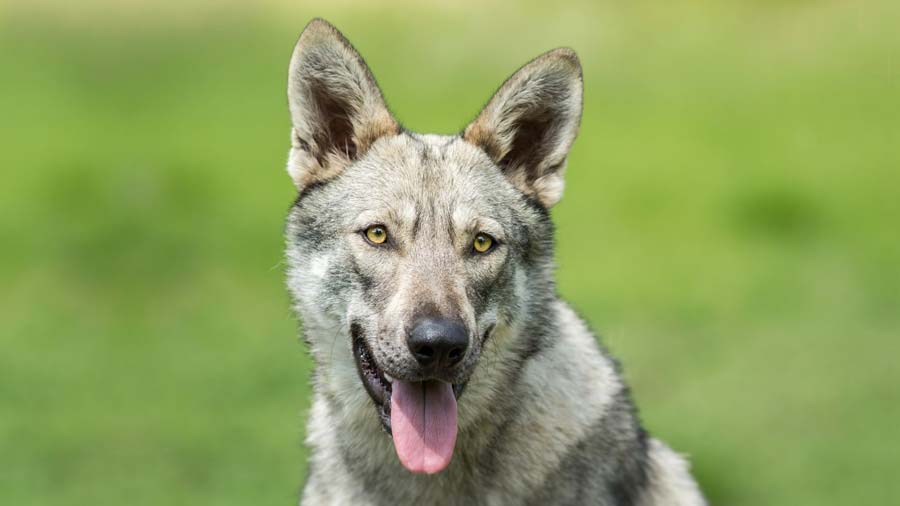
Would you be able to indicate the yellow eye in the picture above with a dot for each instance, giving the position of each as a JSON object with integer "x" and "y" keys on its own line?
{"x": 376, "y": 234}
{"x": 482, "y": 243}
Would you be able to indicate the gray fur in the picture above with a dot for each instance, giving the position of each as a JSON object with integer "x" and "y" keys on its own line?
{"x": 544, "y": 417}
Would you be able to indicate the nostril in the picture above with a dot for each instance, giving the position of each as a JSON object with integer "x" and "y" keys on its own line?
{"x": 455, "y": 355}
{"x": 425, "y": 352}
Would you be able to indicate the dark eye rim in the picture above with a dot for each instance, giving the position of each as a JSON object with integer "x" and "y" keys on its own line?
{"x": 494, "y": 244}
{"x": 363, "y": 232}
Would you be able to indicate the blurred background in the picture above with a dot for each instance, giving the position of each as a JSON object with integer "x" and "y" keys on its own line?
{"x": 730, "y": 228}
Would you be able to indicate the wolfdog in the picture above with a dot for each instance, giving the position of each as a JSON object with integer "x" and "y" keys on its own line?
{"x": 447, "y": 370}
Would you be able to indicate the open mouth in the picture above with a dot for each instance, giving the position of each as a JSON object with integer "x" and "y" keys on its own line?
{"x": 420, "y": 416}
{"x": 377, "y": 384}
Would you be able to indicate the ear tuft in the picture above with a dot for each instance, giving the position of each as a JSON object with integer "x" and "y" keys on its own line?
{"x": 337, "y": 109}
{"x": 530, "y": 123}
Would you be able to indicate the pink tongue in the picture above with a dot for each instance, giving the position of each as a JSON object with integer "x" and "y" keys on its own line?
{"x": 423, "y": 424}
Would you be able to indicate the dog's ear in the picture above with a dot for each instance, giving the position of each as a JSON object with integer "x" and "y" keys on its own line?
{"x": 530, "y": 123}
{"x": 337, "y": 109}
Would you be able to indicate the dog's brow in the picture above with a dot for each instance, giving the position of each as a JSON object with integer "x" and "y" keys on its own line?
{"x": 465, "y": 220}
{"x": 405, "y": 215}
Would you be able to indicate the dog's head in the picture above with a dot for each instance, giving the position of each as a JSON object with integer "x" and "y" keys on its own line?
{"x": 408, "y": 251}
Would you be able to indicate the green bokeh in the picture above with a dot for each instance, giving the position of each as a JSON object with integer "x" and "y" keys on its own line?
{"x": 730, "y": 226}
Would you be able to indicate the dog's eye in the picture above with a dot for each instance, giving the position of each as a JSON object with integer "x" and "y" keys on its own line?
{"x": 483, "y": 243}
{"x": 376, "y": 234}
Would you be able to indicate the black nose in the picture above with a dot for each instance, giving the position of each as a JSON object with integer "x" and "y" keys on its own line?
{"x": 438, "y": 342}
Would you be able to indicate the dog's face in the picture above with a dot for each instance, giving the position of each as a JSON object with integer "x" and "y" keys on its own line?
{"x": 408, "y": 249}
{"x": 415, "y": 237}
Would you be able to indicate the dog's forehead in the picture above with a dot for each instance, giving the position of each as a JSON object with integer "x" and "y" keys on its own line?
{"x": 415, "y": 171}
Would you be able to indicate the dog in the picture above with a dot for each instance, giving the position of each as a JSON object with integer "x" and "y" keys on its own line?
{"x": 447, "y": 370}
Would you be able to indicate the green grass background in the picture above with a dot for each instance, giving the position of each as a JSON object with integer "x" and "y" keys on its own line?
{"x": 730, "y": 226}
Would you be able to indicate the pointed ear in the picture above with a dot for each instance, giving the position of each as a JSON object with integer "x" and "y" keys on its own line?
{"x": 337, "y": 110}
{"x": 530, "y": 123}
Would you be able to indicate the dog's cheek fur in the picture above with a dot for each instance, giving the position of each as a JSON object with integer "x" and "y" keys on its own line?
{"x": 312, "y": 250}
{"x": 505, "y": 288}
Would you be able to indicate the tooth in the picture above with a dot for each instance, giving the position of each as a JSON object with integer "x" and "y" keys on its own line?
{"x": 388, "y": 378}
